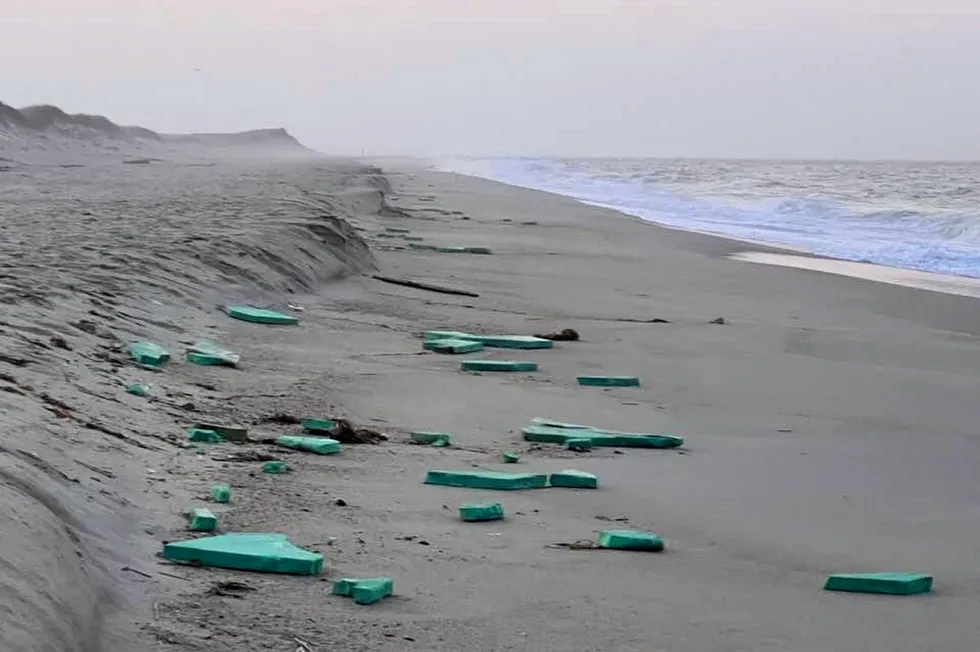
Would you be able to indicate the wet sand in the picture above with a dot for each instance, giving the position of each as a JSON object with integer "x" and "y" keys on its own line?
{"x": 830, "y": 423}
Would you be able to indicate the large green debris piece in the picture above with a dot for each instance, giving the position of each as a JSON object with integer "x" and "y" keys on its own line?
{"x": 498, "y": 365}
{"x": 318, "y": 445}
{"x": 557, "y": 435}
{"x": 885, "y": 583}
{"x": 267, "y": 553}
{"x": 482, "y": 512}
{"x": 261, "y": 316}
{"x": 573, "y": 479}
{"x": 488, "y": 480}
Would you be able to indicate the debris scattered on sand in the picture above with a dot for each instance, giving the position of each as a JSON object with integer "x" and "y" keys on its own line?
{"x": 204, "y": 436}
{"x": 882, "y": 583}
{"x": 437, "y": 439}
{"x": 498, "y": 365}
{"x": 269, "y": 553}
{"x": 488, "y": 480}
{"x": 208, "y": 354}
{"x": 473, "y": 513}
{"x": 227, "y": 431}
{"x": 452, "y": 346}
{"x": 364, "y": 591}
{"x": 261, "y": 316}
{"x": 220, "y": 493}
{"x": 318, "y": 445}
{"x": 555, "y": 432}
{"x": 138, "y": 390}
{"x": 608, "y": 381}
{"x": 201, "y": 520}
{"x": 719, "y": 320}
{"x": 149, "y": 355}
{"x": 573, "y": 479}
{"x": 630, "y": 540}
{"x": 275, "y": 467}
{"x": 509, "y": 458}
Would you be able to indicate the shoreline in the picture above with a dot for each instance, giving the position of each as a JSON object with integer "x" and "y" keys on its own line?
{"x": 919, "y": 279}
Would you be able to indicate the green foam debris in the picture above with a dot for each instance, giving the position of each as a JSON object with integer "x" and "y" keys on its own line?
{"x": 202, "y": 520}
{"x": 573, "y": 479}
{"x": 444, "y": 335}
{"x": 886, "y": 583}
{"x": 138, "y": 390}
{"x": 452, "y": 346}
{"x": 318, "y": 445}
{"x": 630, "y": 540}
{"x": 275, "y": 467}
{"x": 220, "y": 493}
{"x": 318, "y": 425}
{"x": 488, "y": 480}
{"x": 205, "y": 436}
{"x": 260, "y": 316}
{"x": 412, "y": 238}
{"x": 509, "y": 458}
{"x": 229, "y": 432}
{"x": 578, "y": 444}
{"x": 149, "y": 355}
{"x": 483, "y": 512}
{"x": 609, "y": 381}
{"x": 364, "y": 591}
{"x": 268, "y": 553}
{"x": 513, "y": 341}
{"x": 396, "y": 229}
{"x": 498, "y": 365}
{"x": 437, "y": 439}
{"x": 208, "y": 354}
{"x": 555, "y": 435}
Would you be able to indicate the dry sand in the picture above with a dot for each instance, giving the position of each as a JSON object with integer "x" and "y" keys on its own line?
{"x": 830, "y": 421}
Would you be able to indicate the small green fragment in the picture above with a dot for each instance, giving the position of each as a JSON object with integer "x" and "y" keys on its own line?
{"x": 412, "y": 238}
{"x": 609, "y": 381}
{"x": 579, "y": 444}
{"x": 446, "y": 335}
{"x": 498, "y": 365}
{"x": 513, "y": 341}
{"x": 485, "y": 512}
{"x": 373, "y": 590}
{"x": 205, "y": 436}
{"x": 229, "y": 432}
{"x": 344, "y": 586}
{"x": 573, "y": 479}
{"x": 206, "y": 353}
{"x": 220, "y": 493}
{"x": 488, "y": 480}
{"x": 452, "y": 346}
{"x": 509, "y": 458}
{"x": 318, "y": 425}
{"x": 149, "y": 355}
{"x": 138, "y": 390}
{"x": 885, "y": 583}
{"x": 318, "y": 445}
{"x": 269, "y": 553}
{"x": 437, "y": 439}
{"x": 630, "y": 540}
{"x": 260, "y": 316}
{"x": 396, "y": 229}
{"x": 276, "y": 467}
{"x": 202, "y": 520}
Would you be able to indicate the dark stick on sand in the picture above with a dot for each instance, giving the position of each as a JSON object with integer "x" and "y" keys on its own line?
{"x": 425, "y": 286}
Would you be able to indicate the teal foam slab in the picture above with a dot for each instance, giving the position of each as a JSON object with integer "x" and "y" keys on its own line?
{"x": 498, "y": 365}
{"x": 446, "y": 335}
{"x": 452, "y": 346}
{"x": 396, "y": 229}
{"x": 609, "y": 381}
{"x": 884, "y": 583}
{"x": 513, "y": 341}
{"x": 149, "y": 355}
{"x": 509, "y": 458}
{"x": 138, "y": 390}
{"x": 267, "y": 553}
{"x": 275, "y": 467}
{"x": 553, "y": 435}
{"x": 488, "y": 480}
{"x": 630, "y": 540}
{"x": 318, "y": 445}
{"x": 538, "y": 421}
{"x": 484, "y": 512}
{"x": 204, "y": 436}
{"x": 206, "y": 353}
{"x": 372, "y": 590}
{"x": 202, "y": 520}
{"x": 573, "y": 479}
{"x": 260, "y": 316}
{"x": 438, "y": 439}
{"x": 318, "y": 425}
{"x": 578, "y": 444}
{"x": 220, "y": 493}
{"x": 229, "y": 432}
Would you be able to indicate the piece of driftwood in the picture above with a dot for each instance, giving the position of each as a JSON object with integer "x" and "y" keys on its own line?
{"x": 425, "y": 286}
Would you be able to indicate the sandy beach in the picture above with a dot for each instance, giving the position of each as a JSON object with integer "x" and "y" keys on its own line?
{"x": 830, "y": 422}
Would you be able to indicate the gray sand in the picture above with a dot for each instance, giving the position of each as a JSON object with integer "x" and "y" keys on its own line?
{"x": 830, "y": 422}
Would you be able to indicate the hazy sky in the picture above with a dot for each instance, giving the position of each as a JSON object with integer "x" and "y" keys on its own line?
{"x": 750, "y": 78}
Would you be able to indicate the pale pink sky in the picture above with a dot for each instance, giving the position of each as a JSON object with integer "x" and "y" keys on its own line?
{"x": 768, "y": 78}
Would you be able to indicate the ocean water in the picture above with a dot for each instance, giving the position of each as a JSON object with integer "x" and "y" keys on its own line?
{"x": 923, "y": 216}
